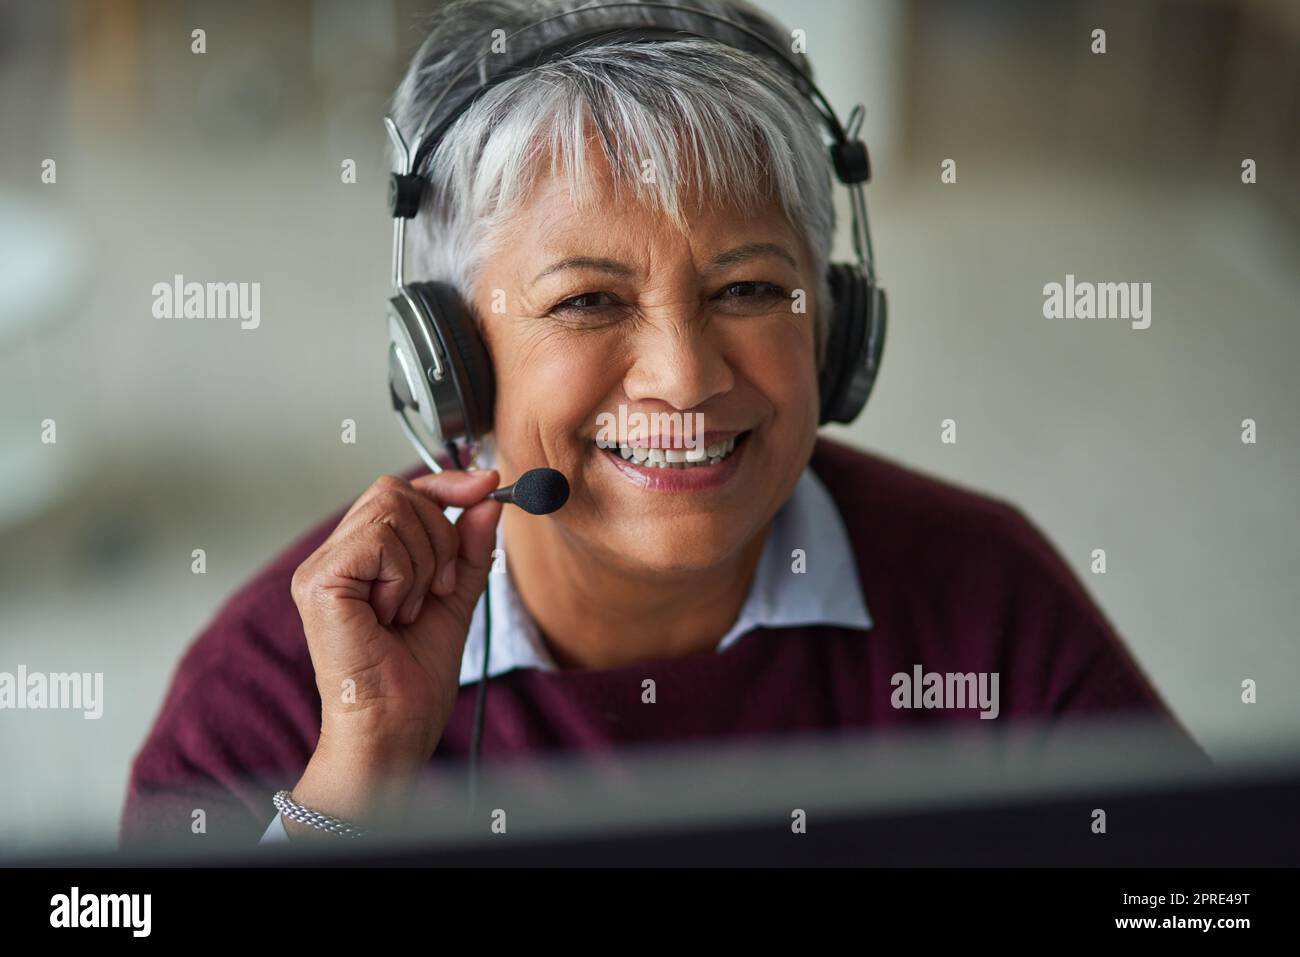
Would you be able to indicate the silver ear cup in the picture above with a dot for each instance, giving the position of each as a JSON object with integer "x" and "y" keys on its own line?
{"x": 400, "y": 380}
{"x": 418, "y": 372}
{"x": 409, "y": 384}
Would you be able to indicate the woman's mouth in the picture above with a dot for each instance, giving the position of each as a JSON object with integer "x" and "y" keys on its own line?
{"x": 700, "y": 457}
{"x": 678, "y": 469}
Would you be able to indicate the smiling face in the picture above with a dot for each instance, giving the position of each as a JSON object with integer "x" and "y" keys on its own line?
{"x": 589, "y": 307}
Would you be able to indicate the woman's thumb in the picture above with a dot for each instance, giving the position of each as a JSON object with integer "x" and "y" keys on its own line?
{"x": 477, "y": 528}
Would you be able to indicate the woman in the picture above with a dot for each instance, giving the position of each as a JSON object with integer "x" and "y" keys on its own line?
{"x": 640, "y": 227}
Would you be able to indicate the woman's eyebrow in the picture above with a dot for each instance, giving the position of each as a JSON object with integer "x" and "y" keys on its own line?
{"x": 612, "y": 266}
{"x": 750, "y": 251}
{"x": 623, "y": 271}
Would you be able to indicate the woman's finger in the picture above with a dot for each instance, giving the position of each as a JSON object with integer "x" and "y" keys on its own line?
{"x": 477, "y": 529}
{"x": 436, "y": 530}
{"x": 446, "y": 546}
{"x": 400, "y": 511}
{"x": 457, "y": 489}
{"x": 370, "y": 565}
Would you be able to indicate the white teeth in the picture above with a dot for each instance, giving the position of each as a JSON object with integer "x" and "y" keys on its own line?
{"x": 674, "y": 458}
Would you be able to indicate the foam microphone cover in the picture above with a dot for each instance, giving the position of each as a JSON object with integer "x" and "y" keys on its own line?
{"x": 537, "y": 491}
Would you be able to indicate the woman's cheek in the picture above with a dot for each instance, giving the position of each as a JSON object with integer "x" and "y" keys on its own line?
{"x": 782, "y": 367}
{"x": 548, "y": 394}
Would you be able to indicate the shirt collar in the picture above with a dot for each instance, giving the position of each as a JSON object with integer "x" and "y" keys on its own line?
{"x": 807, "y": 575}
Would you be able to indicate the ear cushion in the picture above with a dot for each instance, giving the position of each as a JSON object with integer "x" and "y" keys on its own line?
{"x": 845, "y": 339}
{"x": 471, "y": 367}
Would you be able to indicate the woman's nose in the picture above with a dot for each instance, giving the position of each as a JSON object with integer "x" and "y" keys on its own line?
{"x": 677, "y": 363}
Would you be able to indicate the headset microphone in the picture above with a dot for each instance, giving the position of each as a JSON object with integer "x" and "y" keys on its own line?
{"x": 537, "y": 491}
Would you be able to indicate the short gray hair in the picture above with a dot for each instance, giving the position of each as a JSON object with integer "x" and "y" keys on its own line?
{"x": 708, "y": 117}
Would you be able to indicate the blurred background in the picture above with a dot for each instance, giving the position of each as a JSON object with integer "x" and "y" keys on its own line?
{"x": 174, "y": 435}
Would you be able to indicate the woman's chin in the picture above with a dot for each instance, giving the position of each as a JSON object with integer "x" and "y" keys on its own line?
{"x": 673, "y": 548}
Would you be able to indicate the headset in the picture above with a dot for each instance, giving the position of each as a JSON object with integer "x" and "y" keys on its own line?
{"x": 439, "y": 370}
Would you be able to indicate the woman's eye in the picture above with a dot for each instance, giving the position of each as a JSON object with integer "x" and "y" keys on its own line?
{"x": 752, "y": 298}
{"x": 749, "y": 289}
{"x": 587, "y": 302}
{"x": 742, "y": 297}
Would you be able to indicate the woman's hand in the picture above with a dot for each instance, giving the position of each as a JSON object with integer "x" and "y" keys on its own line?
{"x": 386, "y": 603}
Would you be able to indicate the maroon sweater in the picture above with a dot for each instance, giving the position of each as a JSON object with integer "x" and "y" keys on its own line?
{"x": 954, "y": 581}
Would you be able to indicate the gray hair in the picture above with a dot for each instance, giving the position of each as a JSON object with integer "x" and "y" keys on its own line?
{"x": 723, "y": 122}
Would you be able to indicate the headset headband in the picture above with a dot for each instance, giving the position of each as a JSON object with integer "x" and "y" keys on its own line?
{"x": 848, "y": 153}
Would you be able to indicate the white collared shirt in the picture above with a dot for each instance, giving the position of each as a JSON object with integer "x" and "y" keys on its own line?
{"x": 829, "y": 594}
